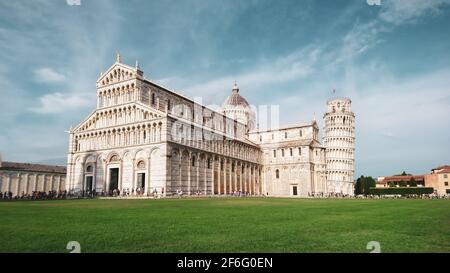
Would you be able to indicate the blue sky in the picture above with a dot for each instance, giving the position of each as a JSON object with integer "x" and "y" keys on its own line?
{"x": 392, "y": 60}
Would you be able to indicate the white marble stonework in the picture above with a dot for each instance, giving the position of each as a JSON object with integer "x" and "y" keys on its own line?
{"x": 143, "y": 135}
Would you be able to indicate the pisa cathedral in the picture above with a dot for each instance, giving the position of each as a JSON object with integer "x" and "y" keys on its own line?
{"x": 143, "y": 137}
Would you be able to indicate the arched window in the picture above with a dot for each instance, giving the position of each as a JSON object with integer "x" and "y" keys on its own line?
{"x": 89, "y": 169}
{"x": 114, "y": 158}
{"x": 153, "y": 99}
{"x": 141, "y": 164}
{"x": 277, "y": 174}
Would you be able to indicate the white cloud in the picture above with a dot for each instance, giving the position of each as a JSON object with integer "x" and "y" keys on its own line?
{"x": 409, "y": 11}
{"x": 295, "y": 66}
{"x": 46, "y": 74}
{"x": 58, "y": 103}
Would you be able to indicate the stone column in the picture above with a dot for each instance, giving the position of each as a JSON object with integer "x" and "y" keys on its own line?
{"x": 230, "y": 173}
{"x": 197, "y": 166}
{"x": 120, "y": 176}
{"x": 44, "y": 182}
{"x": 18, "y": 184}
{"x": 35, "y": 182}
{"x": 225, "y": 163}
{"x": 105, "y": 177}
{"x": 212, "y": 174}
{"x": 8, "y": 180}
{"x": 219, "y": 177}
{"x": 240, "y": 176}
{"x": 27, "y": 181}
{"x": 149, "y": 174}
{"x": 205, "y": 175}
{"x": 52, "y": 184}
{"x": 235, "y": 176}
{"x": 133, "y": 174}
{"x": 189, "y": 173}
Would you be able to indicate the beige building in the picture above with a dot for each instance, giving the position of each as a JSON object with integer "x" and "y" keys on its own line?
{"x": 439, "y": 179}
{"x": 25, "y": 178}
{"x": 144, "y": 137}
{"x": 293, "y": 160}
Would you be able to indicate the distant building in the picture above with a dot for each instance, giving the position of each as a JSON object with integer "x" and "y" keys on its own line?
{"x": 397, "y": 180}
{"x": 439, "y": 179}
{"x": 24, "y": 178}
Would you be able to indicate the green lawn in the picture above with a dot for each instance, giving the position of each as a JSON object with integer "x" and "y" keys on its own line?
{"x": 226, "y": 225}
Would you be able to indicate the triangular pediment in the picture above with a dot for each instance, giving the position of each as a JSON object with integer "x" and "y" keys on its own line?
{"x": 119, "y": 72}
{"x": 93, "y": 121}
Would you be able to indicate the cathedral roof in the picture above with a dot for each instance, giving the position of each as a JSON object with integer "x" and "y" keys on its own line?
{"x": 27, "y": 167}
{"x": 235, "y": 99}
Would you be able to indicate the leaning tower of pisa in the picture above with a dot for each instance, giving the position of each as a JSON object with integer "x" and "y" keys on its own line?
{"x": 339, "y": 142}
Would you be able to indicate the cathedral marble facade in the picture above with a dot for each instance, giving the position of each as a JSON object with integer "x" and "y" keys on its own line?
{"x": 144, "y": 138}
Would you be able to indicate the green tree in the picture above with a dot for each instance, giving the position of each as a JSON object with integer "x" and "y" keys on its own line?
{"x": 412, "y": 182}
{"x": 403, "y": 183}
{"x": 359, "y": 186}
{"x": 363, "y": 184}
{"x": 369, "y": 182}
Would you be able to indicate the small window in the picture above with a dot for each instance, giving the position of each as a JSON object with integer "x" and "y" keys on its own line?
{"x": 445, "y": 175}
{"x": 301, "y": 133}
{"x": 285, "y": 135}
{"x": 291, "y": 152}
{"x": 153, "y": 99}
{"x": 299, "y": 151}
{"x": 446, "y": 183}
{"x": 277, "y": 174}
{"x": 260, "y": 138}
{"x": 274, "y": 153}
{"x": 209, "y": 163}
{"x": 193, "y": 161}
{"x": 272, "y": 137}
{"x": 282, "y": 152}
{"x": 141, "y": 165}
{"x": 89, "y": 169}
{"x": 168, "y": 105}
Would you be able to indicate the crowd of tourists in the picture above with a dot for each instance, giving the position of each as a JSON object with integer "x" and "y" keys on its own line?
{"x": 140, "y": 192}
{"x": 35, "y": 195}
{"x": 329, "y": 195}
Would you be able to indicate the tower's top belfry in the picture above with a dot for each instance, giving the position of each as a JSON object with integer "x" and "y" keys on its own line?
{"x": 339, "y": 105}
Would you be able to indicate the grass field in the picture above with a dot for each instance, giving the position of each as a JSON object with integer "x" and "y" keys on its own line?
{"x": 226, "y": 225}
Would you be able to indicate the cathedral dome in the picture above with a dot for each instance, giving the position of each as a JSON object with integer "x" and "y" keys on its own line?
{"x": 235, "y": 99}
{"x": 237, "y": 108}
